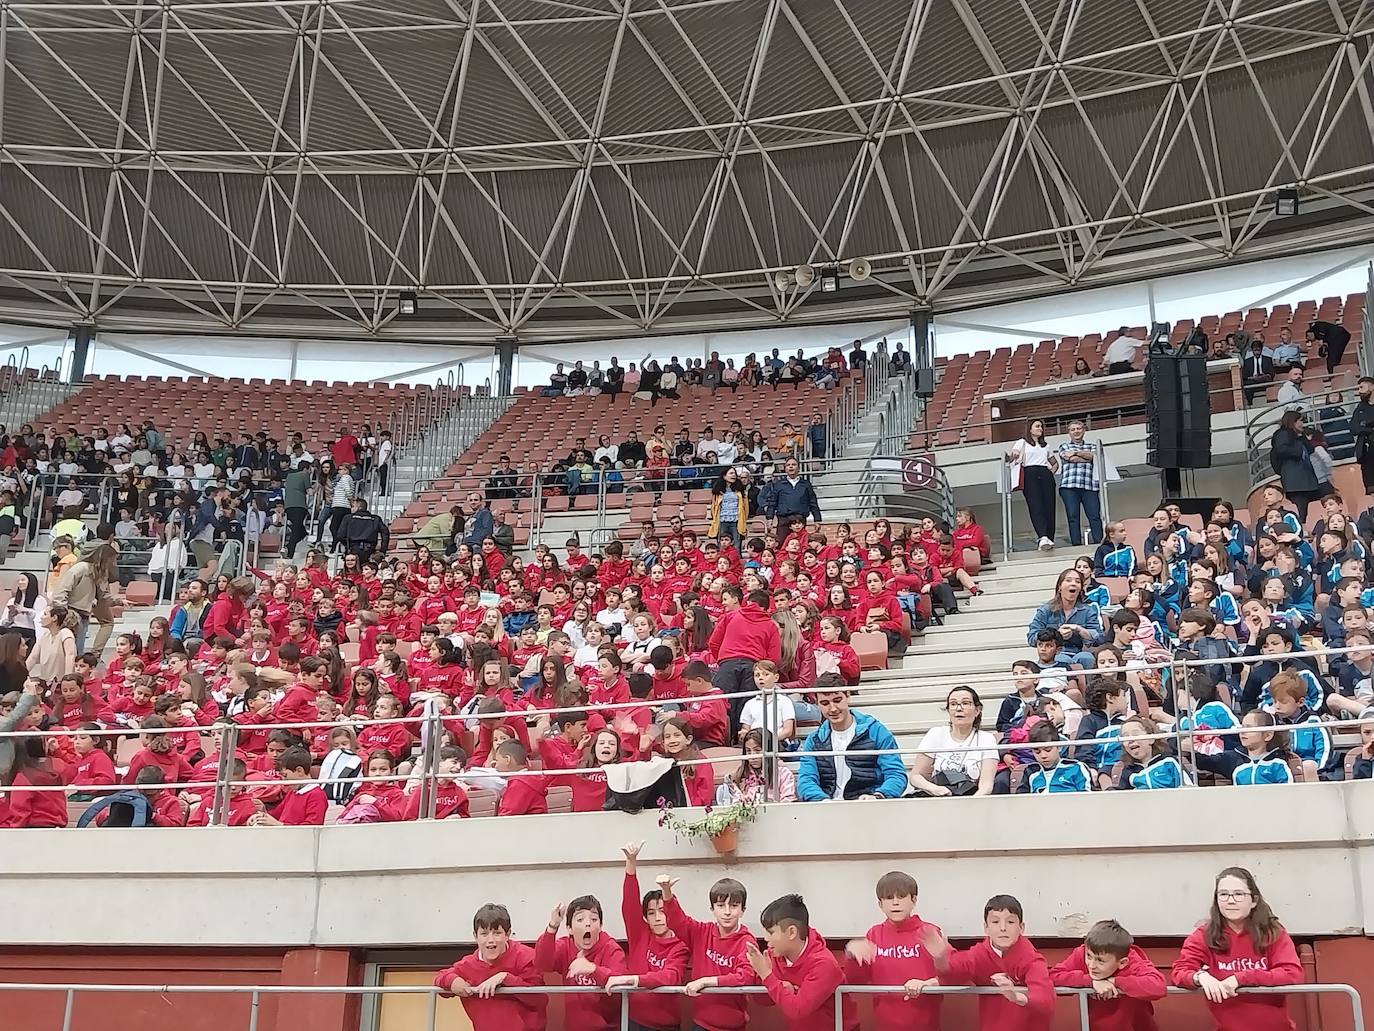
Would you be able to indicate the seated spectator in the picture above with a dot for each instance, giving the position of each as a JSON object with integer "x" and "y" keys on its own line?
{"x": 863, "y": 775}
{"x": 558, "y": 382}
{"x": 1077, "y": 622}
{"x": 960, "y": 758}
{"x": 1257, "y": 372}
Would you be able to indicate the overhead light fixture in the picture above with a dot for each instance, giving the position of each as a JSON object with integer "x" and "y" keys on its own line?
{"x": 830, "y": 280}
{"x": 1286, "y": 203}
{"x": 860, "y": 269}
{"x": 408, "y": 304}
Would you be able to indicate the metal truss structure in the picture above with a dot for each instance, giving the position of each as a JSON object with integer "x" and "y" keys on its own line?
{"x": 574, "y": 169}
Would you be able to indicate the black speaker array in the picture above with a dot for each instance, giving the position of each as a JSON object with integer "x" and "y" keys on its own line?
{"x": 1179, "y": 410}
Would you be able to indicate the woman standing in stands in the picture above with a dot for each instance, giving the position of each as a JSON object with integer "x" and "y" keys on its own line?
{"x": 1290, "y": 456}
{"x": 1242, "y": 945}
{"x": 729, "y": 509}
{"x": 1037, "y": 464}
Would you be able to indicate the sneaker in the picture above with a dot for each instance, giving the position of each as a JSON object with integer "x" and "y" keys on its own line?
{"x": 974, "y": 591}
{"x": 1046, "y": 544}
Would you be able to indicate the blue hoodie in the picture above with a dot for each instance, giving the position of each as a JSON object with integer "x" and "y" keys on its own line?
{"x": 880, "y": 775}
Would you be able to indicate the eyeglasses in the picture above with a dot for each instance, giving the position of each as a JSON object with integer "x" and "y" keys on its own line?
{"x": 1233, "y": 896}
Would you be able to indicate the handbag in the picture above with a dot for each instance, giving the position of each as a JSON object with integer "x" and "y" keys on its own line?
{"x": 958, "y": 782}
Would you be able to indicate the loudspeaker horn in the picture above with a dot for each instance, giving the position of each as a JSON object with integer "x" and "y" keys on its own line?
{"x": 782, "y": 280}
{"x": 860, "y": 269}
{"x": 806, "y": 275}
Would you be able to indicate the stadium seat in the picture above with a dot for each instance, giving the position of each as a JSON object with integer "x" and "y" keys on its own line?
{"x": 871, "y": 647}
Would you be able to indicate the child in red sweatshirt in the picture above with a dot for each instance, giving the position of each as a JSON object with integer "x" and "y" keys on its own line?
{"x": 1124, "y": 981}
{"x": 800, "y": 972}
{"x": 305, "y": 805}
{"x": 93, "y": 766}
{"x": 892, "y": 954}
{"x": 1242, "y": 945}
{"x": 718, "y": 953}
{"x": 1004, "y": 959}
{"x": 658, "y": 957}
{"x": 498, "y": 962}
{"x": 27, "y": 807}
{"x": 587, "y": 957}
{"x": 526, "y": 794}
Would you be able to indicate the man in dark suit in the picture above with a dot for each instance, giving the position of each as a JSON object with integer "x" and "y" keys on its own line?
{"x": 1333, "y": 339}
{"x": 1256, "y": 372}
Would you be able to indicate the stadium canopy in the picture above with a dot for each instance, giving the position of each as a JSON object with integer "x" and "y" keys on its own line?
{"x": 577, "y": 169}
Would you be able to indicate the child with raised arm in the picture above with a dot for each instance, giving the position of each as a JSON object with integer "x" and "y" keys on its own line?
{"x": 1124, "y": 981}
{"x": 892, "y": 954}
{"x": 657, "y": 957}
{"x": 499, "y": 961}
{"x": 1006, "y": 960}
{"x": 718, "y": 953}
{"x": 799, "y": 971}
{"x": 587, "y": 956}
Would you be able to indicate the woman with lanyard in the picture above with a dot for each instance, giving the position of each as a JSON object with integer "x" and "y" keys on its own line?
{"x": 1031, "y": 455}
{"x": 24, "y": 609}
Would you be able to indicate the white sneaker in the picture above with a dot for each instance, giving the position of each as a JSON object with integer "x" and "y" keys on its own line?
{"x": 1046, "y": 544}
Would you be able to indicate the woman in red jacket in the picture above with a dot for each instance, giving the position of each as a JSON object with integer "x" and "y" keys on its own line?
{"x": 1242, "y": 945}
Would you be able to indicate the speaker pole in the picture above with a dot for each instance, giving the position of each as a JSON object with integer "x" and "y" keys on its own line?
{"x": 923, "y": 350}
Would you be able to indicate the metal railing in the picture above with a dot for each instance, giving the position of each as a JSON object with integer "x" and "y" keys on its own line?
{"x": 27, "y": 392}
{"x": 1326, "y": 410}
{"x": 374, "y": 994}
{"x": 1007, "y": 490}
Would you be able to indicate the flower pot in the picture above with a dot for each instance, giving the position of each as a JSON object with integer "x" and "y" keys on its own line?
{"x": 727, "y": 840}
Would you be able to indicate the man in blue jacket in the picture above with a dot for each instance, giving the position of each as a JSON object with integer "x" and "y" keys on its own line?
{"x": 790, "y": 499}
{"x": 857, "y": 773}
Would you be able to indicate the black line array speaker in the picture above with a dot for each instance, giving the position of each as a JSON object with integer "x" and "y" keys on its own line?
{"x": 1179, "y": 411}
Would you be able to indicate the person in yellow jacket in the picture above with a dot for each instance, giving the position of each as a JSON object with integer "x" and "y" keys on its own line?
{"x": 729, "y": 508}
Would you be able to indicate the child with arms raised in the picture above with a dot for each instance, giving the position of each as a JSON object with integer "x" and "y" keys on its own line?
{"x": 892, "y": 954}
{"x": 799, "y": 971}
{"x": 587, "y": 956}
{"x": 658, "y": 957}
{"x": 718, "y": 953}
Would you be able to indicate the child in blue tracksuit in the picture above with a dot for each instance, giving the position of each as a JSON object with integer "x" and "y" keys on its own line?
{"x": 1099, "y": 732}
{"x": 1308, "y": 739}
{"x": 1114, "y": 557}
{"x": 1051, "y": 773}
{"x": 1147, "y": 765}
{"x": 1266, "y": 752}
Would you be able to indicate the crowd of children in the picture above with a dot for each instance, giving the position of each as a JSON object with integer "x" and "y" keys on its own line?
{"x": 1281, "y": 596}
{"x": 1241, "y": 945}
{"x": 499, "y": 650}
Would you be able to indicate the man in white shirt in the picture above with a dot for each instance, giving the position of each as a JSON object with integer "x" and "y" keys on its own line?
{"x": 1290, "y": 393}
{"x": 872, "y": 770}
{"x": 1120, "y": 356}
{"x": 384, "y": 450}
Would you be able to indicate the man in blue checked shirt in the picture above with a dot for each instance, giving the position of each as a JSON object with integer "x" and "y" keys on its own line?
{"x": 1078, "y": 485}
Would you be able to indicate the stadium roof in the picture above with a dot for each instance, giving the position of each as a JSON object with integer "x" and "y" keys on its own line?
{"x": 562, "y": 169}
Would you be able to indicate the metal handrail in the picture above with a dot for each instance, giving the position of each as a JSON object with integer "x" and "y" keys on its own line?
{"x": 371, "y": 993}
{"x": 1264, "y": 420}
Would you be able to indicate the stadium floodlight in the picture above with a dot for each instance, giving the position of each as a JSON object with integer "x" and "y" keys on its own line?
{"x": 1287, "y": 202}
{"x": 408, "y": 304}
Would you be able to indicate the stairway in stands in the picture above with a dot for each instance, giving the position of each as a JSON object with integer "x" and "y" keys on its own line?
{"x": 987, "y": 635}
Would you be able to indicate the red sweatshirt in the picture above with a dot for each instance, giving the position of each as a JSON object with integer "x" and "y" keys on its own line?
{"x": 1024, "y": 965}
{"x": 721, "y": 957}
{"x": 709, "y": 715}
{"x": 303, "y": 808}
{"x": 93, "y": 768}
{"x": 175, "y": 768}
{"x": 449, "y": 800}
{"x": 586, "y": 1011}
{"x": 167, "y": 811}
{"x": 848, "y": 658}
{"x": 524, "y": 796}
{"x": 657, "y": 962}
{"x": 500, "y": 1012}
{"x": 392, "y": 738}
{"x": 901, "y": 958}
{"x": 35, "y": 808}
{"x": 746, "y": 633}
{"x": 1277, "y": 964}
{"x": 804, "y": 990}
{"x": 297, "y": 705}
{"x": 971, "y": 536}
{"x": 1138, "y": 980}
{"x": 588, "y": 789}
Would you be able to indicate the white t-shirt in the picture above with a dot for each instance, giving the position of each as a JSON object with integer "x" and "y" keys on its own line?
{"x": 840, "y": 740}
{"x": 968, "y": 754}
{"x": 611, "y": 617}
{"x": 1032, "y": 454}
{"x": 780, "y": 710}
{"x": 1123, "y": 349}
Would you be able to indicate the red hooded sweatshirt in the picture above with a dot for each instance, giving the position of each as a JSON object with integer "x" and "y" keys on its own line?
{"x": 746, "y": 633}
{"x": 587, "y": 1011}
{"x": 719, "y": 956}
{"x": 657, "y": 962}
{"x": 804, "y": 990}
{"x": 1138, "y": 981}
{"x": 500, "y": 1012}
{"x": 1276, "y": 964}
{"x": 901, "y": 958}
{"x": 1024, "y": 965}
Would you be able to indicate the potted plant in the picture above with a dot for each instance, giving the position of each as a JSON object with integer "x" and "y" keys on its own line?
{"x": 719, "y": 823}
